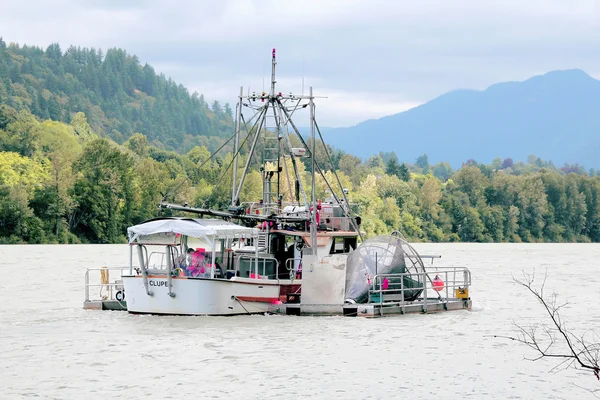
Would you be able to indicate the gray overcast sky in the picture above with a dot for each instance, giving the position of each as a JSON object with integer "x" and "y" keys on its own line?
{"x": 371, "y": 58}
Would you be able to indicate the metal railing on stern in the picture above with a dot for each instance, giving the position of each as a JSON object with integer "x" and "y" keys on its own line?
{"x": 445, "y": 283}
{"x": 107, "y": 290}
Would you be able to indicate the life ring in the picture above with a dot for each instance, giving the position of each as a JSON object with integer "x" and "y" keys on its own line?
{"x": 120, "y": 295}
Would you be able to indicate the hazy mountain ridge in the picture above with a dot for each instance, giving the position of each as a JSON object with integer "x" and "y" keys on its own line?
{"x": 554, "y": 116}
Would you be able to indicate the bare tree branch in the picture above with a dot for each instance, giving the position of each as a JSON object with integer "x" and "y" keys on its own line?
{"x": 577, "y": 353}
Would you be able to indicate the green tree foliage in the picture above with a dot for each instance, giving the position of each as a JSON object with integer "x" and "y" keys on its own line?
{"x": 18, "y": 224}
{"x": 138, "y": 144}
{"x": 399, "y": 170}
{"x": 352, "y": 166}
{"x": 64, "y": 177}
{"x": 103, "y": 192}
{"x": 443, "y": 171}
{"x": 17, "y": 170}
{"x": 60, "y": 144}
{"x": 470, "y": 180}
{"x": 81, "y": 128}
{"x": 8, "y": 115}
{"x": 61, "y": 183}
{"x": 431, "y": 194}
{"x": 151, "y": 180}
{"x": 423, "y": 163}
{"x": 19, "y": 177}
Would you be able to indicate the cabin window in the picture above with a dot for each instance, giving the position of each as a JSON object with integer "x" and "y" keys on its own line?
{"x": 342, "y": 245}
{"x": 267, "y": 267}
{"x": 154, "y": 258}
{"x": 337, "y": 246}
{"x": 350, "y": 244}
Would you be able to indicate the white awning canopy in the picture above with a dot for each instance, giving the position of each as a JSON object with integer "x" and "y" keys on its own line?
{"x": 198, "y": 228}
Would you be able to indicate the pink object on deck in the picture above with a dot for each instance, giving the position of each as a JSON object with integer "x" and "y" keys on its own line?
{"x": 386, "y": 284}
{"x": 197, "y": 265}
{"x": 438, "y": 284}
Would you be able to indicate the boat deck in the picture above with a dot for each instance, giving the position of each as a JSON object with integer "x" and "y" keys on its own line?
{"x": 102, "y": 292}
{"x": 373, "y": 310}
{"x": 369, "y": 310}
{"x": 112, "y": 305}
{"x": 454, "y": 295}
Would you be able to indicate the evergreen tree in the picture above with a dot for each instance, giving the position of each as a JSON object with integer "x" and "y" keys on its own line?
{"x": 423, "y": 163}
{"x": 54, "y": 52}
{"x": 216, "y": 108}
{"x": 54, "y": 110}
{"x": 403, "y": 173}
{"x": 392, "y": 167}
{"x": 228, "y": 110}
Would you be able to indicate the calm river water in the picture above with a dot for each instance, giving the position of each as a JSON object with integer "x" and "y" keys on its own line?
{"x": 51, "y": 348}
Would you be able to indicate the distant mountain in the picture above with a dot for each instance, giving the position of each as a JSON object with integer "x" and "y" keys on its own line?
{"x": 555, "y": 116}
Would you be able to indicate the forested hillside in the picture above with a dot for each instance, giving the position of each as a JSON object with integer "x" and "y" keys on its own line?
{"x": 119, "y": 96}
{"x": 62, "y": 183}
{"x": 86, "y": 149}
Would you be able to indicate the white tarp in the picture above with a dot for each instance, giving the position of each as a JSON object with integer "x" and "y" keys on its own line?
{"x": 198, "y": 228}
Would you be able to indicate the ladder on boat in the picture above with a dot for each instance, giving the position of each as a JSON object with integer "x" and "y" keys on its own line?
{"x": 271, "y": 168}
{"x": 263, "y": 241}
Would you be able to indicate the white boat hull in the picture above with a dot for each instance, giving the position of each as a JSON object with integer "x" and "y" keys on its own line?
{"x": 200, "y": 296}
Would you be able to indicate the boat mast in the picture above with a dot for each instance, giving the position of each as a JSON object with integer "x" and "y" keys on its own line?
{"x": 236, "y": 145}
{"x": 273, "y": 81}
{"x": 273, "y": 102}
{"x": 313, "y": 217}
{"x": 281, "y": 117}
{"x": 268, "y": 175}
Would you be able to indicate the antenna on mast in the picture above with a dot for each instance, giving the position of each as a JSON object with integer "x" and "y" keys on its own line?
{"x": 273, "y": 81}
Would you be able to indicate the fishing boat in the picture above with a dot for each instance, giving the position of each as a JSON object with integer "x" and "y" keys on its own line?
{"x": 286, "y": 253}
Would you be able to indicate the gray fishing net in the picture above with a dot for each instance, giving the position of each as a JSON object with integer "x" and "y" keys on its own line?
{"x": 384, "y": 255}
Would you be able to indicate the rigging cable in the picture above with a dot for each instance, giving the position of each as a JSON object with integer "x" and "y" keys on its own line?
{"x": 338, "y": 181}
{"x": 239, "y": 148}
{"x": 346, "y": 212}
{"x": 287, "y": 175}
{"x": 201, "y": 165}
{"x": 239, "y": 301}
{"x": 289, "y": 121}
{"x": 263, "y": 114}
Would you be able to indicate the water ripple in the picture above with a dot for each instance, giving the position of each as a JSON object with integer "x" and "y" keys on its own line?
{"x": 51, "y": 348}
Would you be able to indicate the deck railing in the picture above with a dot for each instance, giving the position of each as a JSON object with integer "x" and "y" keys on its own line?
{"x": 290, "y": 266}
{"x": 104, "y": 277}
{"x": 456, "y": 281}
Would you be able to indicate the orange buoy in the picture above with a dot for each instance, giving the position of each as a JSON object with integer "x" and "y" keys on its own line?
{"x": 438, "y": 284}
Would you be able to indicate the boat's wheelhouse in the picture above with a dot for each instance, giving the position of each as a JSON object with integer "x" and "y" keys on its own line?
{"x": 198, "y": 248}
